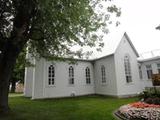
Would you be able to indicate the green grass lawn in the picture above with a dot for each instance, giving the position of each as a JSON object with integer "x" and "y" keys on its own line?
{"x": 79, "y": 108}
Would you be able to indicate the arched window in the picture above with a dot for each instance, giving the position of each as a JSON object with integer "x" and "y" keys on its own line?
{"x": 51, "y": 75}
{"x": 127, "y": 67}
{"x": 103, "y": 72}
{"x": 71, "y": 75}
{"x": 140, "y": 71}
{"x": 88, "y": 78}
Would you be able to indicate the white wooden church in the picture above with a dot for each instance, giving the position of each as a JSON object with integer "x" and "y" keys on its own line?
{"x": 120, "y": 73}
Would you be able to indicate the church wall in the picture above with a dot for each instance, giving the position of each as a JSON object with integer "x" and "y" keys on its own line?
{"x": 125, "y": 88}
{"x": 61, "y": 87}
{"x": 37, "y": 91}
{"x": 110, "y": 87}
{"x": 28, "y": 78}
{"x": 28, "y": 81}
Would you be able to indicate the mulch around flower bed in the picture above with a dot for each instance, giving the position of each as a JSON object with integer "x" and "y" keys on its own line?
{"x": 119, "y": 116}
{"x": 138, "y": 111}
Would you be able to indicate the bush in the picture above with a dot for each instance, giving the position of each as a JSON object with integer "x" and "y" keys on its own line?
{"x": 150, "y": 96}
{"x": 153, "y": 100}
{"x": 144, "y": 95}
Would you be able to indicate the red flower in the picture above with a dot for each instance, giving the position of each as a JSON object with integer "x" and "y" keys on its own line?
{"x": 143, "y": 105}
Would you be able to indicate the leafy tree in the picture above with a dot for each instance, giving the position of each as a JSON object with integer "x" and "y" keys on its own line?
{"x": 50, "y": 28}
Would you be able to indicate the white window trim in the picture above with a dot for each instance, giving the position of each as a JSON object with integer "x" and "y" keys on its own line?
{"x": 158, "y": 68}
{"x": 47, "y": 82}
{"x": 103, "y": 75}
{"x": 88, "y": 76}
{"x": 127, "y": 68}
{"x": 140, "y": 71}
{"x": 148, "y": 69}
{"x": 72, "y": 76}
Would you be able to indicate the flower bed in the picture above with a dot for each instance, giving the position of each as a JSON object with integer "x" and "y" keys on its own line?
{"x": 140, "y": 111}
{"x": 144, "y": 105}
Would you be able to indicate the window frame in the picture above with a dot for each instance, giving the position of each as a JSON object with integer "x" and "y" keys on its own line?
{"x": 149, "y": 71}
{"x": 88, "y": 75}
{"x": 127, "y": 69}
{"x": 158, "y": 68}
{"x": 71, "y": 75}
{"x": 51, "y": 75}
{"x": 140, "y": 71}
{"x": 103, "y": 74}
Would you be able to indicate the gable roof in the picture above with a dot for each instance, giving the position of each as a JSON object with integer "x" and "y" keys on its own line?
{"x": 112, "y": 42}
{"x": 131, "y": 44}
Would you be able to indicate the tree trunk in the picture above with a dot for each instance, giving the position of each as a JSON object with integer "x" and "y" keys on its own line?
{"x": 7, "y": 63}
{"x": 13, "y": 86}
{"x": 26, "y": 10}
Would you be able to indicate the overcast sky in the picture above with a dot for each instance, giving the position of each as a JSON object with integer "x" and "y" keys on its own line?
{"x": 139, "y": 19}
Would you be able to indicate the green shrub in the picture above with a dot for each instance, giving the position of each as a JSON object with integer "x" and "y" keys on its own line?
{"x": 153, "y": 100}
{"x": 150, "y": 96}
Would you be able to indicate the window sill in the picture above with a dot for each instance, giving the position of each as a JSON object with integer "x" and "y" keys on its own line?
{"x": 51, "y": 86}
{"x": 130, "y": 83}
{"x": 104, "y": 84}
{"x": 70, "y": 85}
{"x": 88, "y": 84}
{"x": 149, "y": 79}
